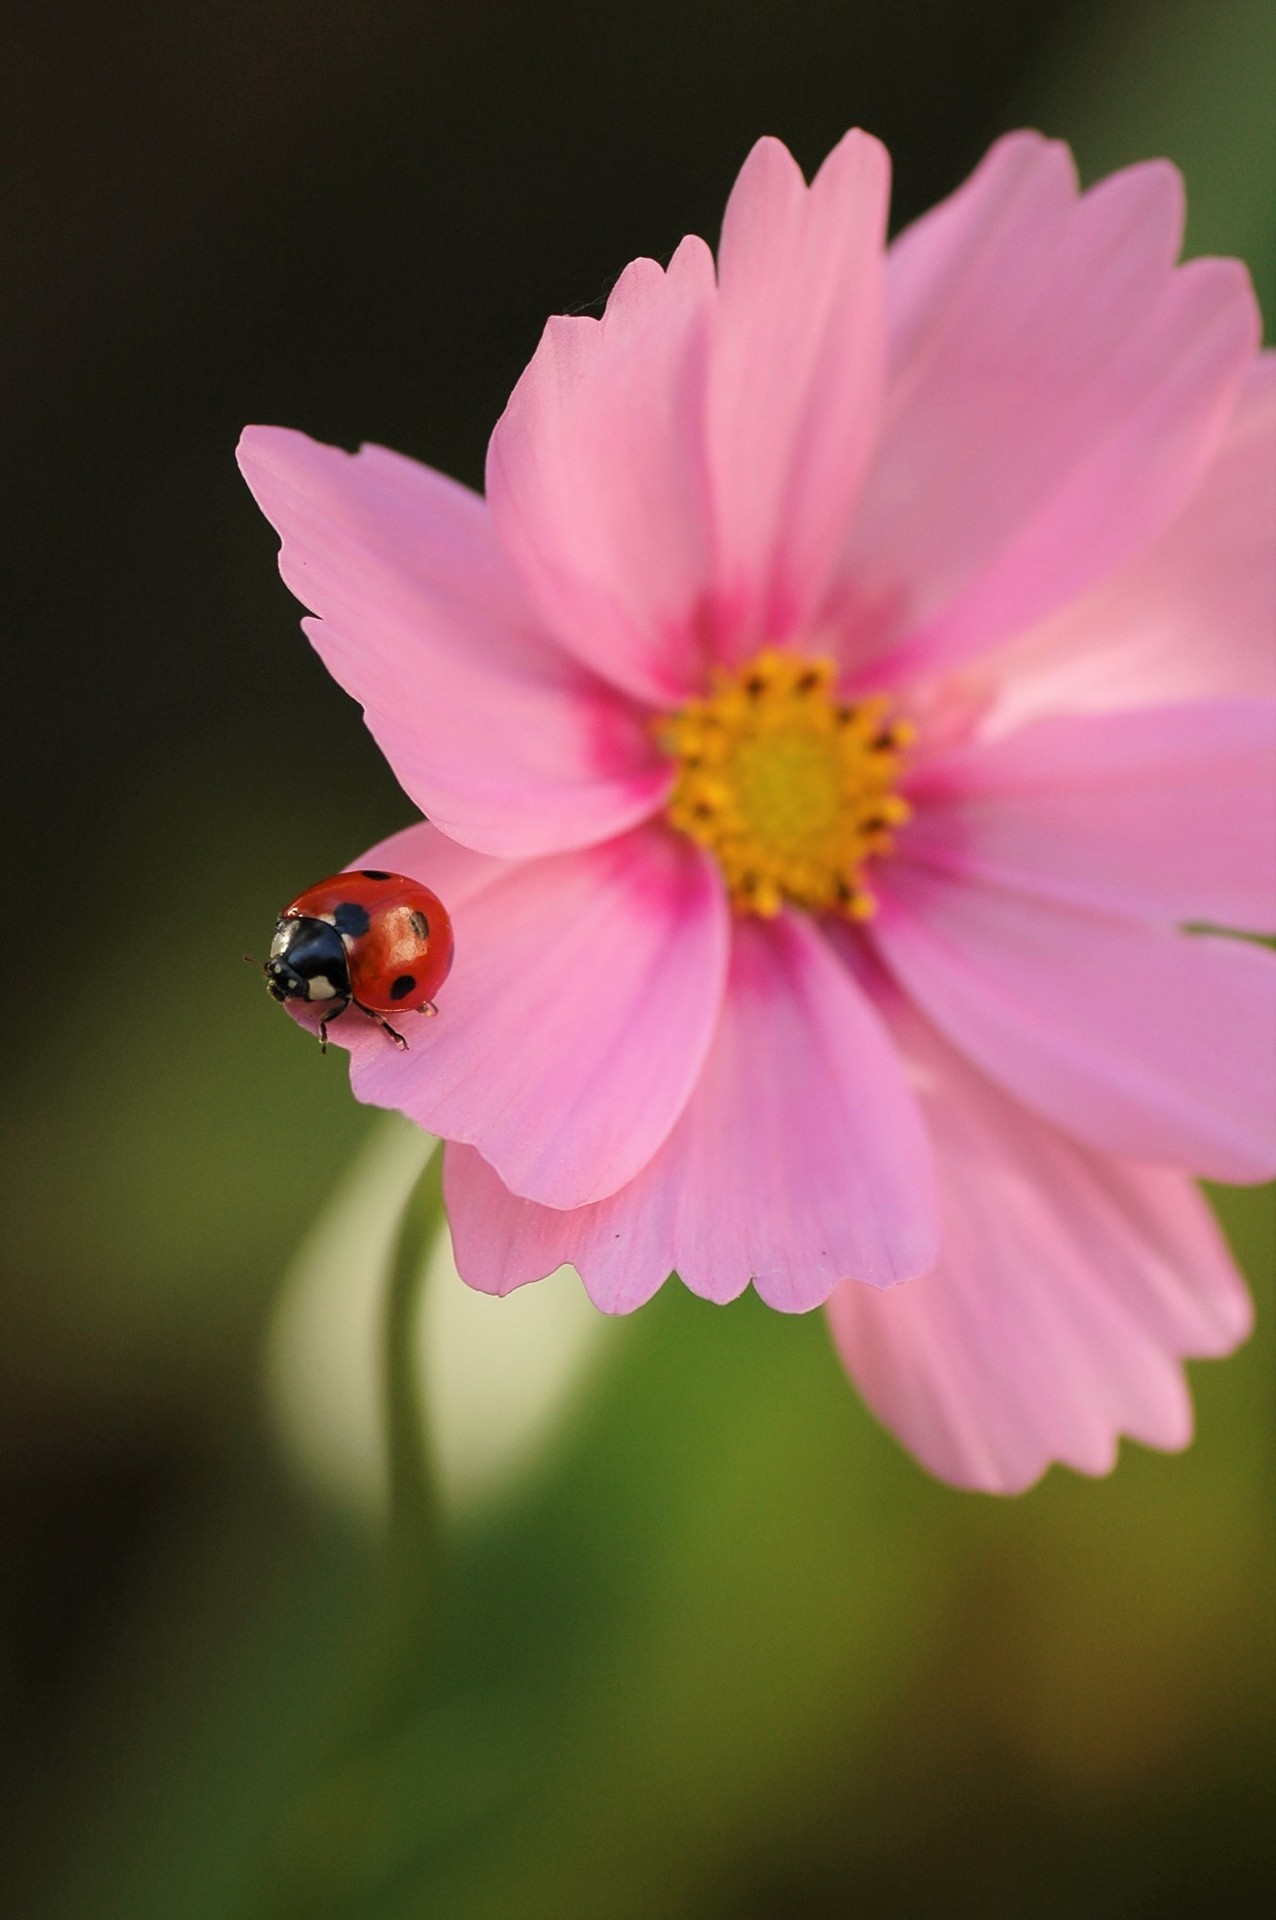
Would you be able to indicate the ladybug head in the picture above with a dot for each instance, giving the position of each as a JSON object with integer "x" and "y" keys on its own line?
{"x": 307, "y": 961}
{"x": 284, "y": 982}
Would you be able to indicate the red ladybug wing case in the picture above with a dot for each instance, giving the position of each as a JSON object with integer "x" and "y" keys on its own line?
{"x": 396, "y": 932}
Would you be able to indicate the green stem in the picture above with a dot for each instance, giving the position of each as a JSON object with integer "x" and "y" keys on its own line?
{"x": 328, "y": 1844}
{"x": 414, "y": 1531}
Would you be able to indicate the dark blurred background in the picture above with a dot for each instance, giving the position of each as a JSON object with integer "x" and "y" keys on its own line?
{"x": 727, "y": 1653}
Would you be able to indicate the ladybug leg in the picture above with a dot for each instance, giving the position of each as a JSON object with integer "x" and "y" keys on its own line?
{"x": 393, "y": 1032}
{"x": 428, "y": 1011}
{"x": 384, "y": 1025}
{"x": 327, "y": 1021}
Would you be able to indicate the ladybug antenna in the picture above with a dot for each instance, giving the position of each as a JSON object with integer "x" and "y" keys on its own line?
{"x": 253, "y": 962}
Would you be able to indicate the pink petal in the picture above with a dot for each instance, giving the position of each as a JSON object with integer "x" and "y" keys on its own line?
{"x": 681, "y": 475}
{"x": 1157, "y": 1045}
{"x": 596, "y": 476}
{"x": 799, "y": 1159}
{"x": 500, "y": 737}
{"x": 577, "y": 1017}
{"x": 1069, "y": 1288}
{"x": 1192, "y": 615}
{"x": 1057, "y": 390}
{"x": 795, "y": 379}
{"x": 1168, "y": 811}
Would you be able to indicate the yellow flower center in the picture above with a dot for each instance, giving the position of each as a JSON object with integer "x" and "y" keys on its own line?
{"x": 791, "y": 789}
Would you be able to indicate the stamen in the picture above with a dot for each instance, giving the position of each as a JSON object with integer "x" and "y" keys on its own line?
{"x": 791, "y": 789}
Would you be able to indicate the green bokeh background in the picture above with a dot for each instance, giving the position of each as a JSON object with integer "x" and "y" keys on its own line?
{"x": 728, "y": 1653}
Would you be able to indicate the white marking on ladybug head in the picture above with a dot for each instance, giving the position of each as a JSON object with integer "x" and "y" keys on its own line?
{"x": 321, "y": 988}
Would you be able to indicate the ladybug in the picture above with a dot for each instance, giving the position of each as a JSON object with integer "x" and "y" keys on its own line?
{"x": 370, "y": 939}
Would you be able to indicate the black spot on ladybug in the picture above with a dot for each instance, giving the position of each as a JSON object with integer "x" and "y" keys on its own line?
{"x": 419, "y": 924}
{"x": 351, "y": 919}
{"x": 400, "y": 988}
{"x": 375, "y": 873}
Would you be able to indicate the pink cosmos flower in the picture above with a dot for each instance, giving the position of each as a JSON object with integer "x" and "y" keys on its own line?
{"x": 838, "y": 723}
